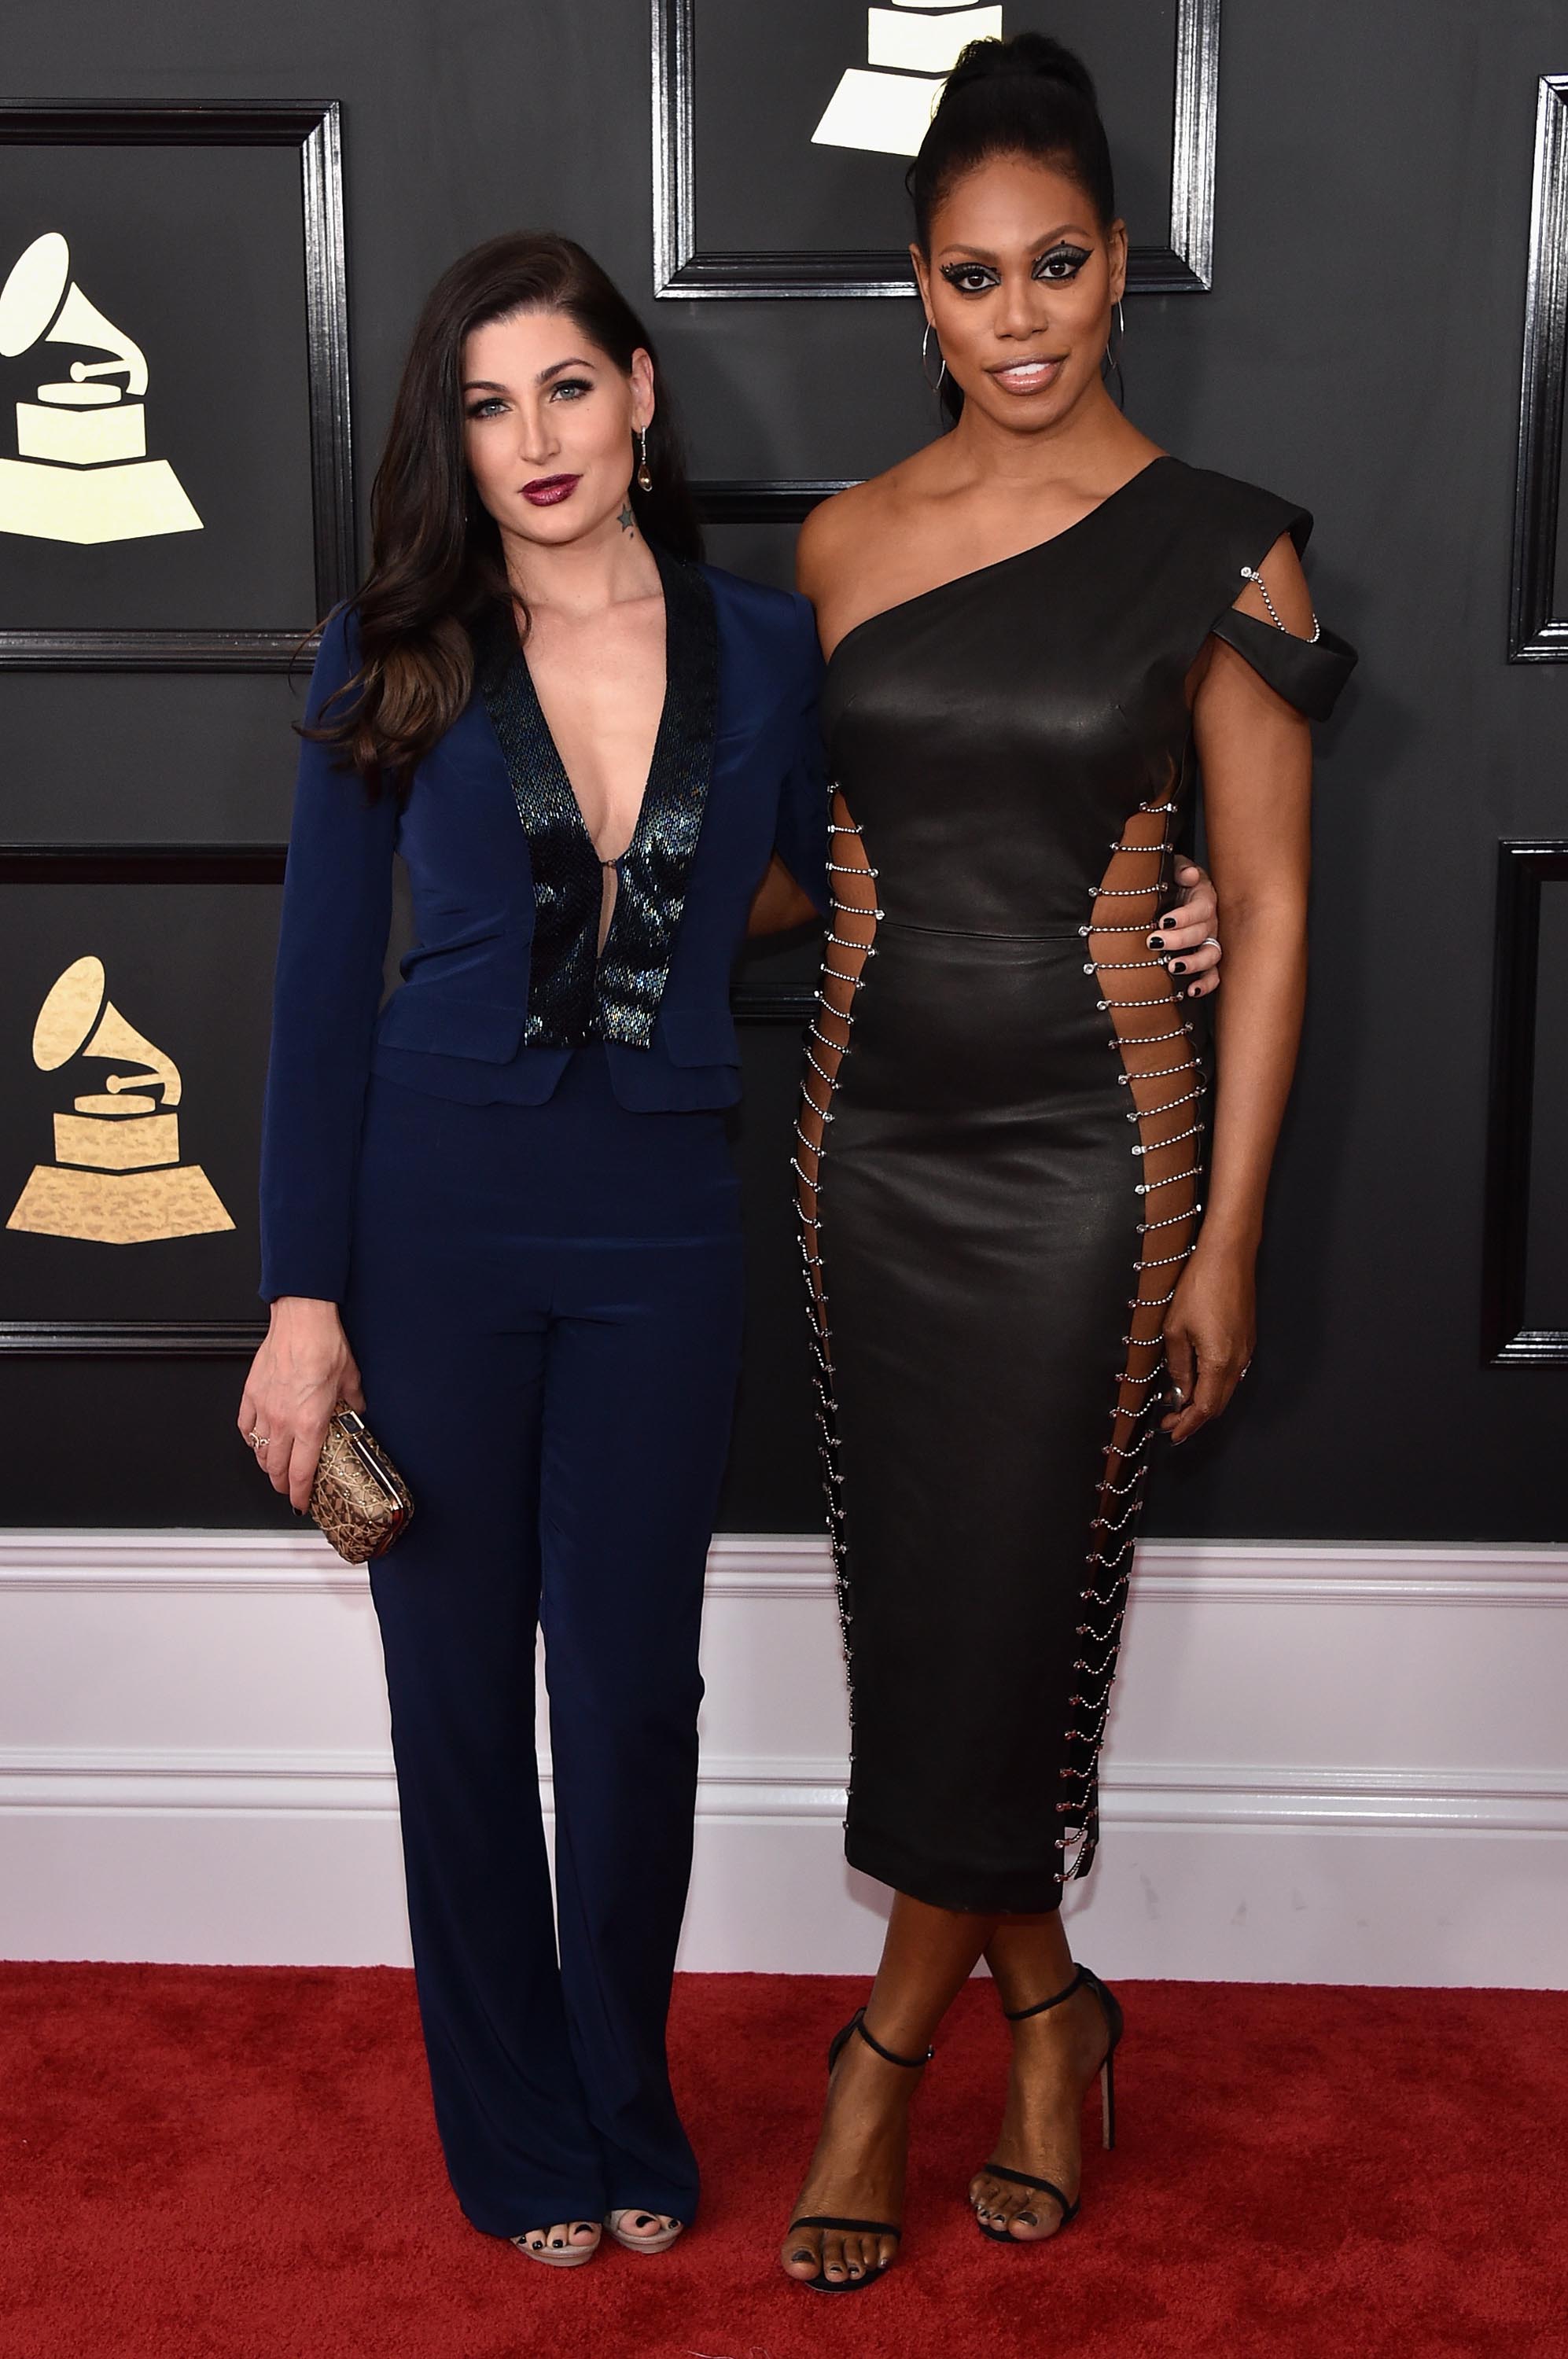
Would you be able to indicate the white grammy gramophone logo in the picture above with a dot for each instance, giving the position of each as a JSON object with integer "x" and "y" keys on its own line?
{"x": 81, "y": 471}
{"x": 116, "y": 1179}
{"x": 909, "y": 55}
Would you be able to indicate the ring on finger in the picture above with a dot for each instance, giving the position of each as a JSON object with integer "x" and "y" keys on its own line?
{"x": 1210, "y": 942}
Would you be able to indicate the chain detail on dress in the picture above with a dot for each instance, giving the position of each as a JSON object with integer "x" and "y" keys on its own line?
{"x": 838, "y": 985}
{"x": 1138, "y": 1395}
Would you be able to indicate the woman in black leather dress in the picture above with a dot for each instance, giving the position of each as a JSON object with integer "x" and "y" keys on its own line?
{"x": 1037, "y": 629}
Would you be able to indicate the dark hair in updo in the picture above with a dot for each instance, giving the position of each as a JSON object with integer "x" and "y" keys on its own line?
{"x": 1029, "y": 96}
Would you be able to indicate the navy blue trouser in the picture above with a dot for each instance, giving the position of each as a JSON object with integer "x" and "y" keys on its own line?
{"x": 545, "y": 1304}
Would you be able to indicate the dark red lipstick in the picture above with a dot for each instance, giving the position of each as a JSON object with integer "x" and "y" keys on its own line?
{"x": 548, "y": 491}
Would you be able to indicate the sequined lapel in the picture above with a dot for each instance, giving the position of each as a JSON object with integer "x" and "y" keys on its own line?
{"x": 575, "y": 993}
{"x": 566, "y": 881}
{"x": 635, "y": 965}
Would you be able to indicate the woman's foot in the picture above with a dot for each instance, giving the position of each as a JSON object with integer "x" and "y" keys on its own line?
{"x": 857, "y": 2169}
{"x": 644, "y": 2232}
{"x": 1056, "y": 2056}
{"x": 565, "y": 2247}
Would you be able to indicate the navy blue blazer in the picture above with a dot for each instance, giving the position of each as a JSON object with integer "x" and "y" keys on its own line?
{"x": 506, "y": 979}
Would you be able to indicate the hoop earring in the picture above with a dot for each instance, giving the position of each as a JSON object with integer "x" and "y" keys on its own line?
{"x": 925, "y": 361}
{"x": 1111, "y": 366}
{"x": 644, "y": 480}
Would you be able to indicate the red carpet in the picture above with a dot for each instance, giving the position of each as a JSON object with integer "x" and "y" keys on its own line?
{"x": 211, "y": 2163}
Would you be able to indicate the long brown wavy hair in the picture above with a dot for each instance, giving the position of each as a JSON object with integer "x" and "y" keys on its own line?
{"x": 436, "y": 565}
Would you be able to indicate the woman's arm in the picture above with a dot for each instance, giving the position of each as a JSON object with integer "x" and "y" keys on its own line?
{"x": 331, "y": 943}
{"x": 794, "y": 892}
{"x": 1255, "y": 751}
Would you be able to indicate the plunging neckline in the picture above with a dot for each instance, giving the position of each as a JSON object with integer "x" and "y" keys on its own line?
{"x": 996, "y": 564}
{"x": 559, "y": 762}
{"x": 579, "y": 988}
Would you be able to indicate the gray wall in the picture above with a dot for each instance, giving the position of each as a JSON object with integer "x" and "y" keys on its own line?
{"x": 1359, "y": 350}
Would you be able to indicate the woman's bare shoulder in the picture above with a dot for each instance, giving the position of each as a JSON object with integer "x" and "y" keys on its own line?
{"x": 843, "y": 523}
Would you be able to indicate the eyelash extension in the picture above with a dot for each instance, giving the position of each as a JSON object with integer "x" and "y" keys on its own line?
{"x": 1076, "y": 254}
{"x": 956, "y": 272}
{"x": 953, "y": 272}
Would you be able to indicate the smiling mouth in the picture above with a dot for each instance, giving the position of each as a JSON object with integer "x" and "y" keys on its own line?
{"x": 546, "y": 491}
{"x": 1028, "y": 376}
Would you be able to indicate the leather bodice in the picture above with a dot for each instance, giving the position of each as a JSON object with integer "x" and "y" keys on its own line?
{"x": 991, "y": 737}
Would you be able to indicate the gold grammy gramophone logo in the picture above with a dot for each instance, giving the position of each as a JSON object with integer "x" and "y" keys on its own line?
{"x": 81, "y": 471}
{"x": 116, "y": 1179}
{"x": 911, "y": 48}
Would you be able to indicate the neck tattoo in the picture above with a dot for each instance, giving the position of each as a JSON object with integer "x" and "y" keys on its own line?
{"x": 625, "y": 520}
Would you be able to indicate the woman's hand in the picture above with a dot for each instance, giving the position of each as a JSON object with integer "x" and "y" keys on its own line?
{"x": 1187, "y": 938}
{"x": 1210, "y": 1332}
{"x": 297, "y": 1379}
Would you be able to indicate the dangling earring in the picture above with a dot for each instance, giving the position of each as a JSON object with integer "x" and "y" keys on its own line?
{"x": 925, "y": 359}
{"x": 644, "y": 480}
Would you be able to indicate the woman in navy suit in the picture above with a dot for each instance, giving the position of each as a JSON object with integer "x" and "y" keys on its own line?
{"x": 500, "y": 1208}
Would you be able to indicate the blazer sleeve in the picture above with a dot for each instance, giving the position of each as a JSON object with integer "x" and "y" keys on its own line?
{"x": 802, "y": 837}
{"x": 337, "y": 901}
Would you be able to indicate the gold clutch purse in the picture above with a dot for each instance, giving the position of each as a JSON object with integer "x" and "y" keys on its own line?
{"x": 359, "y": 1499}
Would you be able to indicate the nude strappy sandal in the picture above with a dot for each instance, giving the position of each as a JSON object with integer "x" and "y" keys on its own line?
{"x": 630, "y": 2244}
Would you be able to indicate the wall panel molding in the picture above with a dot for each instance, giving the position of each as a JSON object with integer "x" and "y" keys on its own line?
{"x": 1523, "y": 868}
{"x": 316, "y": 131}
{"x": 1538, "y": 621}
{"x": 749, "y": 1566}
{"x": 1314, "y": 1747}
{"x": 1183, "y": 263}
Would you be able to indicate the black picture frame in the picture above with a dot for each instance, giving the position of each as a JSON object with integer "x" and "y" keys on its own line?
{"x": 1537, "y": 620}
{"x": 1523, "y": 868}
{"x": 316, "y": 130}
{"x": 759, "y": 500}
{"x": 1183, "y": 265}
{"x": 132, "y": 863}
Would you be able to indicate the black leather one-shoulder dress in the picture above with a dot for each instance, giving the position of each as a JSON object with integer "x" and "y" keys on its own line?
{"x": 1000, "y": 1157}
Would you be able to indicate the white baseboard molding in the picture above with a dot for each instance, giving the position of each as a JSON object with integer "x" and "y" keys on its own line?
{"x": 1277, "y": 1801}
{"x": 796, "y": 1565}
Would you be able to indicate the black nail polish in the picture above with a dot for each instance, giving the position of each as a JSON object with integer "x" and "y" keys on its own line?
{"x": 1177, "y": 966}
{"x": 1157, "y": 942}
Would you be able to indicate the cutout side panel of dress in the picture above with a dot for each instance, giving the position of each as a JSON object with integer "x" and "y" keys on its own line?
{"x": 851, "y": 942}
{"x": 1165, "y": 1086}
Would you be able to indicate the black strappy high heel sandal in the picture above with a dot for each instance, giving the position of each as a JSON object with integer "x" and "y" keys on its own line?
{"x": 1110, "y": 2007}
{"x": 821, "y": 2283}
